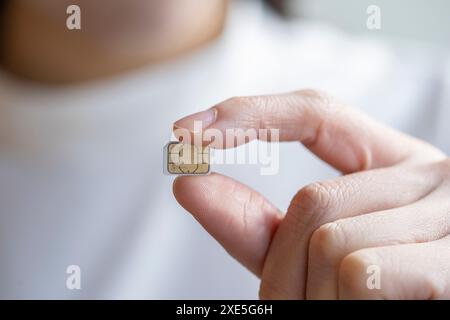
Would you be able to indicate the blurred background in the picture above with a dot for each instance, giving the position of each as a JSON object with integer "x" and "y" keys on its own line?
{"x": 414, "y": 20}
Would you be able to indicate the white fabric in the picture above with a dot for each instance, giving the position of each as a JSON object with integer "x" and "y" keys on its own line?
{"x": 81, "y": 177}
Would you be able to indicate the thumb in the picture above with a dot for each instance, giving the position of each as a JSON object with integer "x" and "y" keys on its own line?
{"x": 239, "y": 218}
{"x": 339, "y": 135}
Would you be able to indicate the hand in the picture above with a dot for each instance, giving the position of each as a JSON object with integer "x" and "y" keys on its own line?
{"x": 391, "y": 209}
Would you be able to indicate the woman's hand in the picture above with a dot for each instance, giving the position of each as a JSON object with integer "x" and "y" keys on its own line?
{"x": 389, "y": 213}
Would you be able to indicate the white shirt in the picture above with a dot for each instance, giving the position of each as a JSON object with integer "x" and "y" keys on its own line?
{"x": 81, "y": 179}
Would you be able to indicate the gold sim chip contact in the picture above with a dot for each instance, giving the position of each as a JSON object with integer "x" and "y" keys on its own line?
{"x": 186, "y": 159}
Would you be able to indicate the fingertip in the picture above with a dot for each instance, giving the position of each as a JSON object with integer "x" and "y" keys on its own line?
{"x": 176, "y": 185}
{"x": 191, "y": 191}
{"x": 180, "y": 188}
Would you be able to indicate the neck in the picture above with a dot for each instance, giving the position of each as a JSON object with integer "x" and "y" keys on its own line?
{"x": 37, "y": 45}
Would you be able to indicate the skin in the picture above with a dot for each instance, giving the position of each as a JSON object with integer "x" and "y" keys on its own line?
{"x": 390, "y": 208}
{"x": 115, "y": 36}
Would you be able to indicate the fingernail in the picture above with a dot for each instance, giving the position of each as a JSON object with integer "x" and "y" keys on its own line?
{"x": 205, "y": 118}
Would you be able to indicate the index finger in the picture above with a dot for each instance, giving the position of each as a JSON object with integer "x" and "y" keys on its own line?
{"x": 339, "y": 135}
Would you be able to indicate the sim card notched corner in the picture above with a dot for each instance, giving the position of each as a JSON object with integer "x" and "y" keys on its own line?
{"x": 186, "y": 159}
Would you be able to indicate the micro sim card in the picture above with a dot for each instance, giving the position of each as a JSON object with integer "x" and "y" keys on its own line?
{"x": 186, "y": 159}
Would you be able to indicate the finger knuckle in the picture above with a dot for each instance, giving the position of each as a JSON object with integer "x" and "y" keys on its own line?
{"x": 313, "y": 94}
{"x": 317, "y": 98}
{"x": 353, "y": 274}
{"x": 322, "y": 107}
{"x": 311, "y": 204}
{"x": 248, "y": 102}
{"x": 254, "y": 111}
{"x": 328, "y": 241}
{"x": 236, "y": 101}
